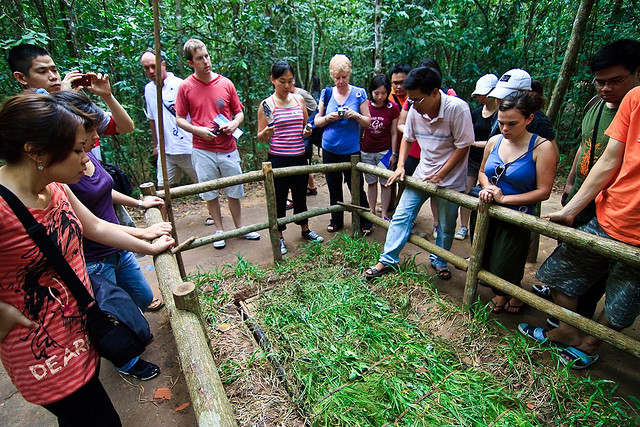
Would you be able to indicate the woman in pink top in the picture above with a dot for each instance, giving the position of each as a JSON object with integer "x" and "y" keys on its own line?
{"x": 281, "y": 123}
{"x": 43, "y": 341}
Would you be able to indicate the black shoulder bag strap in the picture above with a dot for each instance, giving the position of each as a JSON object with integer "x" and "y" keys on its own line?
{"x": 54, "y": 257}
{"x": 594, "y": 137}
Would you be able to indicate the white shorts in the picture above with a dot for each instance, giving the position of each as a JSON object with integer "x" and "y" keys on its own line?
{"x": 373, "y": 159}
{"x": 210, "y": 165}
{"x": 176, "y": 165}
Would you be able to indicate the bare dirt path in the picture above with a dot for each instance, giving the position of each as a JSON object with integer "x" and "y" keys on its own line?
{"x": 134, "y": 399}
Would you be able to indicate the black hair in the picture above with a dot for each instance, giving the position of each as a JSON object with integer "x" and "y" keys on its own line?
{"x": 625, "y": 52}
{"x": 425, "y": 79}
{"x": 377, "y": 81}
{"x": 430, "y": 62}
{"x": 280, "y": 67}
{"x": 20, "y": 58}
{"x": 537, "y": 93}
{"x": 49, "y": 124}
{"x": 400, "y": 68}
{"x": 82, "y": 102}
{"x": 521, "y": 101}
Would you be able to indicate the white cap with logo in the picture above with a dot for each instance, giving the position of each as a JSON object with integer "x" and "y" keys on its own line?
{"x": 511, "y": 81}
{"x": 485, "y": 84}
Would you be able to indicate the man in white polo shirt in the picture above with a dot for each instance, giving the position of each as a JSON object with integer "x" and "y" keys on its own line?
{"x": 442, "y": 126}
{"x": 177, "y": 141}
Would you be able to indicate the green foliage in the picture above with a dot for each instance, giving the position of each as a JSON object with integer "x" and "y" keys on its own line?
{"x": 468, "y": 38}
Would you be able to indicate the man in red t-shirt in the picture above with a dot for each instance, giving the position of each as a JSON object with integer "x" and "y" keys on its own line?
{"x": 215, "y": 111}
{"x": 570, "y": 271}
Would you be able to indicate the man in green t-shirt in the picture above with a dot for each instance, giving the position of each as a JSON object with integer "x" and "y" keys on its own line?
{"x": 616, "y": 68}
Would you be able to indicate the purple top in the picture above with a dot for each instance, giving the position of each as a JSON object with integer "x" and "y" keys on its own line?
{"x": 95, "y": 193}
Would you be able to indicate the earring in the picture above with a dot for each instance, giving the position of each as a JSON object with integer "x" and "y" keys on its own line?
{"x": 40, "y": 167}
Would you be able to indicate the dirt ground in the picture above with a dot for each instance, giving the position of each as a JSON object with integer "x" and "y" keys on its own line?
{"x": 135, "y": 401}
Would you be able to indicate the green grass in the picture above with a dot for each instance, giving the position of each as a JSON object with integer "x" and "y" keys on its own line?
{"x": 358, "y": 354}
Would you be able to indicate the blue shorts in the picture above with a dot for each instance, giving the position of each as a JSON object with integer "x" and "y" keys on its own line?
{"x": 572, "y": 271}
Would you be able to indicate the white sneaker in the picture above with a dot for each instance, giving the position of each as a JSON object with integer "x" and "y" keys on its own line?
{"x": 283, "y": 247}
{"x": 252, "y": 235}
{"x": 219, "y": 244}
{"x": 312, "y": 236}
{"x": 462, "y": 233}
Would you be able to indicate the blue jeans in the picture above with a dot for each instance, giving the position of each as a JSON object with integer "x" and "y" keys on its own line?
{"x": 402, "y": 222}
{"x": 123, "y": 269}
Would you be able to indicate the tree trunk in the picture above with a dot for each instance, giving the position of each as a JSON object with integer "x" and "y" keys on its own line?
{"x": 180, "y": 64}
{"x": 67, "y": 15}
{"x": 377, "y": 38}
{"x": 571, "y": 54}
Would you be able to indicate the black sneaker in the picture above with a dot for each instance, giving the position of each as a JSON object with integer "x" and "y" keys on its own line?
{"x": 142, "y": 370}
{"x": 553, "y": 322}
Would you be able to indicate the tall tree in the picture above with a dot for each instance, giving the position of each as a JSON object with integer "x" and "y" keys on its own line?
{"x": 570, "y": 56}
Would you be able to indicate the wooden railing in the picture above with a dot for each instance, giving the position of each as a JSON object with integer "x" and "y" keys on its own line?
{"x": 211, "y": 405}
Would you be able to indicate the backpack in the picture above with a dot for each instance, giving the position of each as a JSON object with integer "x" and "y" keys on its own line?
{"x": 121, "y": 182}
{"x": 316, "y": 133}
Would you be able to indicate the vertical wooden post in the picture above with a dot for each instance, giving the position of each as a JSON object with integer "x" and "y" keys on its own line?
{"x": 534, "y": 241}
{"x": 477, "y": 253}
{"x": 272, "y": 214}
{"x": 355, "y": 194}
{"x": 149, "y": 189}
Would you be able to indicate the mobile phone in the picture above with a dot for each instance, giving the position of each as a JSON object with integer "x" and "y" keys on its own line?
{"x": 270, "y": 125}
{"x": 84, "y": 80}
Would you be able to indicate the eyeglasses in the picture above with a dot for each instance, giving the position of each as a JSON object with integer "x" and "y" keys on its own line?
{"x": 599, "y": 83}
{"x": 415, "y": 101}
{"x": 500, "y": 170}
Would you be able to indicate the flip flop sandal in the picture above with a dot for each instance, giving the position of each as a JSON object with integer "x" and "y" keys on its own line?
{"x": 366, "y": 232}
{"x": 538, "y": 334}
{"x": 209, "y": 221}
{"x": 495, "y": 308}
{"x": 373, "y": 273}
{"x": 312, "y": 191}
{"x": 515, "y": 308}
{"x": 155, "y": 305}
{"x": 577, "y": 358}
{"x": 443, "y": 272}
{"x": 332, "y": 228}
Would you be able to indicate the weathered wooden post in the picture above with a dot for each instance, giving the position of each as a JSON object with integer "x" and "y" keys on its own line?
{"x": 477, "y": 253}
{"x": 355, "y": 194}
{"x": 272, "y": 214}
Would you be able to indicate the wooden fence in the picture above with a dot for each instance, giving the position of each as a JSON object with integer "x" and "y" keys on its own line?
{"x": 210, "y": 403}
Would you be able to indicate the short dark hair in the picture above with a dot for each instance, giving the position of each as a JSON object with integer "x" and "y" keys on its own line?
{"x": 430, "y": 62}
{"x": 519, "y": 100}
{"x": 625, "y": 52}
{"x": 280, "y": 67}
{"x": 81, "y": 101}
{"x": 48, "y": 123}
{"x": 425, "y": 79}
{"x": 20, "y": 58}
{"x": 377, "y": 81}
{"x": 400, "y": 68}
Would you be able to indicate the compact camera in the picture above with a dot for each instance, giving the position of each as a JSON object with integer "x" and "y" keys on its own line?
{"x": 84, "y": 80}
{"x": 341, "y": 111}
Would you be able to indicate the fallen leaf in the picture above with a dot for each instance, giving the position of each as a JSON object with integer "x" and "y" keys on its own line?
{"x": 181, "y": 407}
{"x": 162, "y": 393}
{"x": 223, "y": 327}
{"x": 530, "y": 406}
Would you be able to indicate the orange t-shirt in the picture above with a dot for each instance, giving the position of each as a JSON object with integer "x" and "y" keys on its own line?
{"x": 618, "y": 205}
{"x": 54, "y": 359}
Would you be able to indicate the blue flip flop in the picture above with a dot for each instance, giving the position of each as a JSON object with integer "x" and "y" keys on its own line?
{"x": 577, "y": 359}
{"x": 537, "y": 334}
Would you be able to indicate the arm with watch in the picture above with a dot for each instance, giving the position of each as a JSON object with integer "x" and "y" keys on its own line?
{"x": 148, "y": 233}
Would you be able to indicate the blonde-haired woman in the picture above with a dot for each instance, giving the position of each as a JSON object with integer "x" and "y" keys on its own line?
{"x": 342, "y": 110}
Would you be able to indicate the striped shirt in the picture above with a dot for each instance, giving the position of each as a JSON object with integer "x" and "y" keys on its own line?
{"x": 288, "y": 124}
{"x": 54, "y": 359}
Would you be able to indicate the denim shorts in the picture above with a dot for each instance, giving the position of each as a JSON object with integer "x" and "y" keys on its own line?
{"x": 573, "y": 271}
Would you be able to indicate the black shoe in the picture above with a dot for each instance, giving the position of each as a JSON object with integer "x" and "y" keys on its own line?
{"x": 143, "y": 370}
{"x": 553, "y": 322}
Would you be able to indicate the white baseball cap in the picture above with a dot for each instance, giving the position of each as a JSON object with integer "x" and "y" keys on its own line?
{"x": 511, "y": 81}
{"x": 485, "y": 84}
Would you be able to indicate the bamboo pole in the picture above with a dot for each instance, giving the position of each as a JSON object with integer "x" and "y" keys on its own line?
{"x": 477, "y": 254}
{"x": 160, "y": 135}
{"x": 149, "y": 189}
{"x": 210, "y": 403}
{"x": 272, "y": 214}
{"x": 355, "y": 194}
